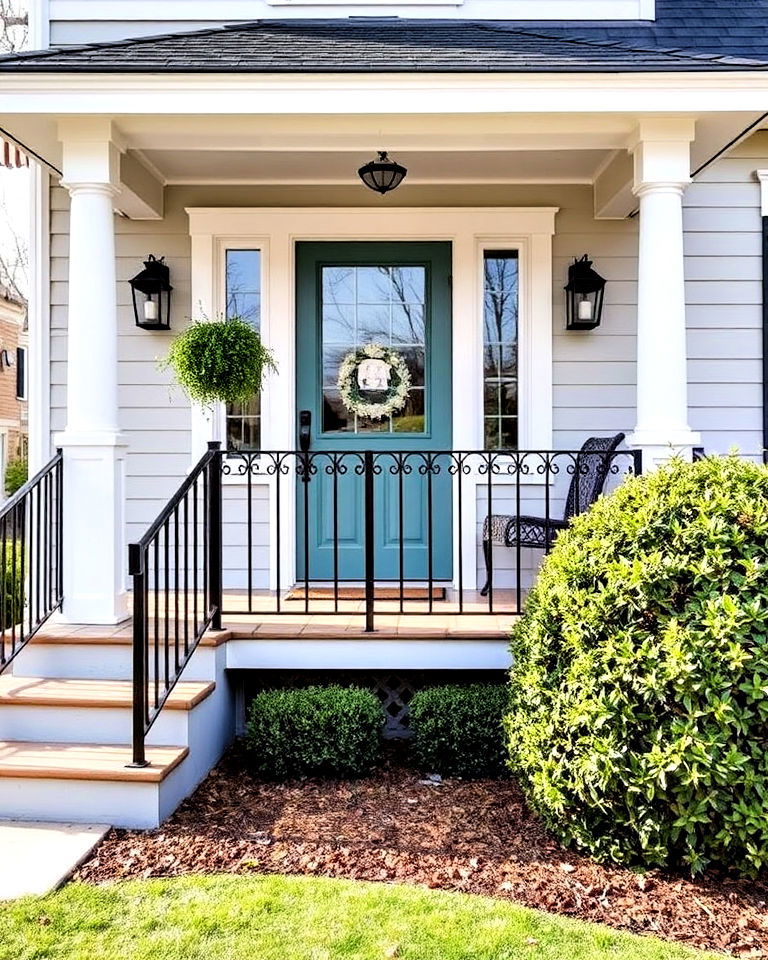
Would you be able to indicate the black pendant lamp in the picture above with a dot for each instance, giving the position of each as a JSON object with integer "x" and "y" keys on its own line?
{"x": 382, "y": 175}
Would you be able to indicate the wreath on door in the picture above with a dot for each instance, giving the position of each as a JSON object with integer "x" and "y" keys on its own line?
{"x": 374, "y": 381}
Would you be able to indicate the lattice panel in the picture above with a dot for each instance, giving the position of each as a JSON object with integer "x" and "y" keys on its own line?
{"x": 395, "y": 691}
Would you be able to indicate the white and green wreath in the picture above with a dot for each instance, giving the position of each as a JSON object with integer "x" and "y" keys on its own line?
{"x": 374, "y": 381}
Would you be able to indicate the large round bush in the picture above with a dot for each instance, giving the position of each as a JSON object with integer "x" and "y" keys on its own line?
{"x": 639, "y": 693}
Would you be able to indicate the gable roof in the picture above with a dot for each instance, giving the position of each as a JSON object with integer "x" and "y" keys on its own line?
{"x": 688, "y": 35}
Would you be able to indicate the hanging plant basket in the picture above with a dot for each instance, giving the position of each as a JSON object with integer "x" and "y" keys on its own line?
{"x": 220, "y": 361}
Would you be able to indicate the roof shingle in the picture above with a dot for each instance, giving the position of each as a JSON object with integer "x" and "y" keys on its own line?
{"x": 688, "y": 35}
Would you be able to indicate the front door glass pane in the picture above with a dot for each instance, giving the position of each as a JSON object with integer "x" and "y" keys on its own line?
{"x": 362, "y": 305}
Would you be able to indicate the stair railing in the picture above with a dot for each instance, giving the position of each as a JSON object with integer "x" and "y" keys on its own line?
{"x": 31, "y": 586}
{"x": 176, "y": 571}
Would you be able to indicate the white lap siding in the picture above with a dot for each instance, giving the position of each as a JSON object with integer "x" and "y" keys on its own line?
{"x": 723, "y": 247}
{"x": 593, "y": 373}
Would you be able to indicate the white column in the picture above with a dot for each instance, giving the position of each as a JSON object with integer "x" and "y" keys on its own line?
{"x": 94, "y": 450}
{"x": 661, "y": 152}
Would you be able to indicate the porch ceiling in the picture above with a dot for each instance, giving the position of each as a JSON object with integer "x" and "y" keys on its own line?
{"x": 277, "y": 167}
{"x": 440, "y": 148}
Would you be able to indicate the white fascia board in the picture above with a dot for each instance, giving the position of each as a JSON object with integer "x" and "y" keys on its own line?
{"x": 109, "y": 94}
{"x": 249, "y": 10}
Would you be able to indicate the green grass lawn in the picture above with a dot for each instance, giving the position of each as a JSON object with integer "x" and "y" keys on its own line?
{"x": 298, "y": 918}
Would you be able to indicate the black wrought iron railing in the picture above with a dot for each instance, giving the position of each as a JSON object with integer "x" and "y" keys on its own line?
{"x": 410, "y": 532}
{"x": 176, "y": 570}
{"x": 30, "y": 559}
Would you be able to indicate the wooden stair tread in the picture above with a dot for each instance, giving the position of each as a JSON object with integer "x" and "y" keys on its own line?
{"x": 85, "y": 761}
{"x": 121, "y": 638}
{"x": 40, "y": 691}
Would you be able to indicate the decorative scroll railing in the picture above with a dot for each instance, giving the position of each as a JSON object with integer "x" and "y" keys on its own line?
{"x": 416, "y": 532}
{"x": 30, "y": 559}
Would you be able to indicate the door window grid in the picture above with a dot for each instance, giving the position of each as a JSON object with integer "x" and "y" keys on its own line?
{"x": 373, "y": 304}
{"x": 243, "y": 299}
{"x": 500, "y": 348}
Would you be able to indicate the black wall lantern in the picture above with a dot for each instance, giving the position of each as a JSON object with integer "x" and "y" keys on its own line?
{"x": 151, "y": 291}
{"x": 382, "y": 175}
{"x": 584, "y": 296}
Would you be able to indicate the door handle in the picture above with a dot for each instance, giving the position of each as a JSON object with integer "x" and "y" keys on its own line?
{"x": 305, "y": 430}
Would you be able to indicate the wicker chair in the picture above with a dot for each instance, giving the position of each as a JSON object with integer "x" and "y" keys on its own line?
{"x": 591, "y": 467}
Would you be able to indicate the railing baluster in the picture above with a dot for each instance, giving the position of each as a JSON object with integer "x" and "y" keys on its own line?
{"x": 370, "y": 546}
{"x": 400, "y": 466}
{"x": 214, "y": 537}
{"x": 518, "y": 545}
{"x": 430, "y": 534}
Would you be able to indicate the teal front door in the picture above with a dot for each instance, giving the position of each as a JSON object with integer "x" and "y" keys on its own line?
{"x": 397, "y": 296}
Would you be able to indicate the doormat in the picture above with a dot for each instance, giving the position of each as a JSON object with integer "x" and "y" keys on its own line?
{"x": 358, "y": 593}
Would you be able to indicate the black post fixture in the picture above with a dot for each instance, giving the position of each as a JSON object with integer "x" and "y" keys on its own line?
{"x": 584, "y": 296}
{"x": 151, "y": 291}
{"x": 382, "y": 175}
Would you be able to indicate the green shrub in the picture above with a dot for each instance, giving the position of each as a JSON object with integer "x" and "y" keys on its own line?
{"x": 12, "y": 605}
{"x": 219, "y": 360}
{"x": 458, "y": 730}
{"x": 325, "y": 731}
{"x": 16, "y": 473}
{"x": 639, "y": 691}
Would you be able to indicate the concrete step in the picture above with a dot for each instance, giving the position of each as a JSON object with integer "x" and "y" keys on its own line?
{"x": 70, "y": 710}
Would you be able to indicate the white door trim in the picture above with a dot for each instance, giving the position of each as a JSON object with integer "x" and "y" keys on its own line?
{"x": 275, "y": 231}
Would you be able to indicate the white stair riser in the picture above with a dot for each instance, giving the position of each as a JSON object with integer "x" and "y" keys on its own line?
{"x": 79, "y": 724}
{"x": 97, "y": 662}
{"x": 129, "y": 805}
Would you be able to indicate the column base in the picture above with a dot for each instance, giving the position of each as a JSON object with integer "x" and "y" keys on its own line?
{"x": 660, "y": 447}
{"x": 94, "y": 525}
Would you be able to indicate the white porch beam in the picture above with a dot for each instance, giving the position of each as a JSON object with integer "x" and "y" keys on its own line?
{"x": 662, "y": 163}
{"x": 141, "y": 190}
{"x": 94, "y": 449}
{"x": 612, "y": 191}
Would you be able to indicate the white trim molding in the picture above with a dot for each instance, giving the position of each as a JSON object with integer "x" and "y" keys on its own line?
{"x": 248, "y": 10}
{"x": 762, "y": 176}
{"x": 39, "y": 318}
{"x": 471, "y": 231}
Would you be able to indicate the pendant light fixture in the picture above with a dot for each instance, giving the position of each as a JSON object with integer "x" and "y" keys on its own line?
{"x": 382, "y": 175}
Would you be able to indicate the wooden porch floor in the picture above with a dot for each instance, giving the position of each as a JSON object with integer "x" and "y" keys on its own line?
{"x": 320, "y": 622}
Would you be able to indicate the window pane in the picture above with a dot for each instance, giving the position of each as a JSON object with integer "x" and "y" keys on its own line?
{"x": 243, "y": 299}
{"x": 500, "y": 313}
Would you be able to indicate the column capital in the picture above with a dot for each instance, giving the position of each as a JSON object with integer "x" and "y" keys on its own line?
{"x": 675, "y": 187}
{"x": 109, "y": 190}
{"x": 661, "y": 148}
{"x": 91, "y": 149}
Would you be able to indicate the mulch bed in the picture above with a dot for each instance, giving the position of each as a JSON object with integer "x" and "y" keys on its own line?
{"x": 477, "y": 837}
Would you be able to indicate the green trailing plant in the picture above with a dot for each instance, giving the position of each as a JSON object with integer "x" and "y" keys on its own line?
{"x": 315, "y": 731}
{"x": 16, "y": 473}
{"x": 639, "y": 693}
{"x": 221, "y": 360}
{"x": 458, "y": 730}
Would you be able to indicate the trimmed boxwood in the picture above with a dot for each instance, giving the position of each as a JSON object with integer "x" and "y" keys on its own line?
{"x": 314, "y": 731}
{"x": 458, "y": 730}
{"x": 639, "y": 692}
